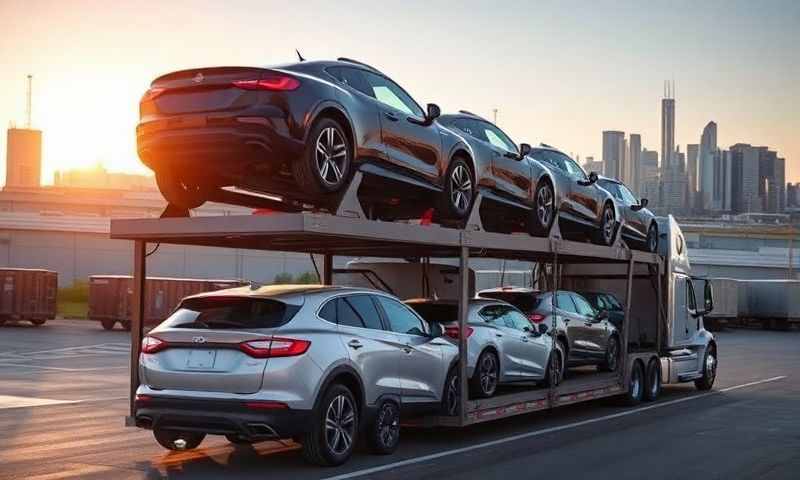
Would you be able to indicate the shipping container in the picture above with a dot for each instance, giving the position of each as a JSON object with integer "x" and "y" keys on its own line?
{"x": 726, "y": 302}
{"x": 28, "y": 294}
{"x": 111, "y": 297}
{"x": 772, "y": 303}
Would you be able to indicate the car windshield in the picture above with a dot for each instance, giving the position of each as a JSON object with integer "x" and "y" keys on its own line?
{"x": 223, "y": 313}
{"x": 525, "y": 301}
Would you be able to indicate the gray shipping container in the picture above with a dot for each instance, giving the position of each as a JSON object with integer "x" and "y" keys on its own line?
{"x": 776, "y": 303}
{"x": 726, "y": 298}
{"x": 28, "y": 294}
{"x": 111, "y": 297}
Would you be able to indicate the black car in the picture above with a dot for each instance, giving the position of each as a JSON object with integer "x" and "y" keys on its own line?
{"x": 585, "y": 208}
{"x": 299, "y": 131}
{"x": 640, "y": 228}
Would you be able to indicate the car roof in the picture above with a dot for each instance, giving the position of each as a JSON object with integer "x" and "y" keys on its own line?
{"x": 274, "y": 291}
{"x": 448, "y": 301}
{"x": 464, "y": 114}
{"x": 509, "y": 290}
{"x": 339, "y": 62}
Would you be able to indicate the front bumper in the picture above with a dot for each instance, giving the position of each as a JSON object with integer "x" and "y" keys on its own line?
{"x": 221, "y": 417}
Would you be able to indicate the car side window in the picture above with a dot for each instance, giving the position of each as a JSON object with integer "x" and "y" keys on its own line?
{"x": 346, "y": 314}
{"x": 564, "y": 302}
{"x": 494, "y": 314}
{"x": 496, "y": 137}
{"x": 351, "y": 77}
{"x": 583, "y": 307}
{"x": 401, "y": 318}
{"x": 628, "y": 197}
{"x": 572, "y": 168}
{"x": 391, "y": 94}
{"x": 465, "y": 126}
{"x": 517, "y": 320}
{"x": 328, "y": 311}
{"x": 612, "y": 188}
{"x": 366, "y": 309}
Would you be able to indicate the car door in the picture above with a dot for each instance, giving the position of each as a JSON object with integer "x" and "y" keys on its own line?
{"x": 374, "y": 351}
{"x": 578, "y": 334}
{"x": 511, "y": 348}
{"x": 596, "y": 331}
{"x": 535, "y": 348}
{"x": 635, "y": 220}
{"x": 409, "y": 143}
{"x": 422, "y": 372}
{"x": 512, "y": 175}
{"x": 584, "y": 199}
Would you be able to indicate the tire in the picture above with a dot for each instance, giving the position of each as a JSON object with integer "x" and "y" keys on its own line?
{"x": 605, "y": 234}
{"x": 181, "y": 193}
{"x": 383, "y": 435}
{"x": 451, "y": 397}
{"x": 237, "y": 440}
{"x": 706, "y": 382}
{"x": 555, "y": 366}
{"x": 338, "y": 406}
{"x": 651, "y": 243}
{"x": 652, "y": 382}
{"x": 108, "y": 324}
{"x": 635, "y": 391}
{"x": 483, "y": 383}
{"x": 455, "y": 201}
{"x": 184, "y": 440}
{"x": 327, "y": 161}
{"x": 544, "y": 212}
{"x": 38, "y": 322}
{"x": 611, "y": 360}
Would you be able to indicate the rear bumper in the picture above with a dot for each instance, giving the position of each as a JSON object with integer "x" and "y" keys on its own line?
{"x": 220, "y": 417}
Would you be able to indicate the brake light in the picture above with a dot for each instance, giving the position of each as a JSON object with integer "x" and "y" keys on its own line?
{"x": 152, "y": 344}
{"x": 536, "y": 318}
{"x": 153, "y": 93}
{"x": 142, "y": 399}
{"x": 274, "y": 83}
{"x": 266, "y": 405}
{"x": 275, "y": 347}
{"x": 452, "y": 332}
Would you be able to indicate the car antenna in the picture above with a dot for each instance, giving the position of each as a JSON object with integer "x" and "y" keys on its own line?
{"x": 299, "y": 56}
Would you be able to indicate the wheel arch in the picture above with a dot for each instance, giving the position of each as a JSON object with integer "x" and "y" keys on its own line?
{"x": 335, "y": 111}
{"x": 347, "y": 376}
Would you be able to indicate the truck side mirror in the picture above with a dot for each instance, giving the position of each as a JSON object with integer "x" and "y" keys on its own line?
{"x": 708, "y": 297}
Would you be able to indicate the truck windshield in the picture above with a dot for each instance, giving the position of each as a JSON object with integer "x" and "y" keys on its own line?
{"x": 223, "y": 313}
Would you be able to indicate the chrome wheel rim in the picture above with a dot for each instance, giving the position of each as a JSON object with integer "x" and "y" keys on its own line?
{"x": 488, "y": 375}
{"x": 340, "y": 422}
{"x": 608, "y": 225}
{"x": 451, "y": 396}
{"x": 388, "y": 425}
{"x": 636, "y": 384}
{"x": 555, "y": 369}
{"x": 331, "y": 156}
{"x": 460, "y": 188}
{"x": 711, "y": 367}
{"x": 655, "y": 381}
{"x": 544, "y": 205}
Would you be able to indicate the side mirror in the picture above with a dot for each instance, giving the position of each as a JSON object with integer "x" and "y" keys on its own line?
{"x": 433, "y": 113}
{"x": 708, "y": 297}
{"x": 543, "y": 328}
{"x": 601, "y": 315}
{"x": 524, "y": 150}
{"x": 436, "y": 330}
{"x": 592, "y": 179}
{"x": 642, "y": 203}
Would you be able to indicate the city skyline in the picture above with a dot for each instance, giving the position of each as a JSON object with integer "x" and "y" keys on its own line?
{"x": 87, "y": 81}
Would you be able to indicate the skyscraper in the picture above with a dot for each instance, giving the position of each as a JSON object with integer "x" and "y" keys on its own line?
{"x": 706, "y": 173}
{"x": 692, "y": 151}
{"x": 745, "y": 178}
{"x": 667, "y": 126}
{"x": 634, "y": 162}
{"x": 613, "y": 153}
{"x": 23, "y": 158}
{"x": 648, "y": 176}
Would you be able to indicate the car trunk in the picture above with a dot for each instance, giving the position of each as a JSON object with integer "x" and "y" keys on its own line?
{"x": 203, "y": 344}
{"x": 204, "y": 89}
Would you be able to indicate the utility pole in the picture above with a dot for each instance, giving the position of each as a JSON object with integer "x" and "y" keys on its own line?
{"x": 494, "y": 112}
{"x": 29, "y": 112}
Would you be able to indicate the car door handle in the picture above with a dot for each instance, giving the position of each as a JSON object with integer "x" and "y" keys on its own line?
{"x": 354, "y": 344}
{"x": 498, "y": 335}
{"x": 391, "y": 116}
{"x": 524, "y": 338}
{"x": 408, "y": 349}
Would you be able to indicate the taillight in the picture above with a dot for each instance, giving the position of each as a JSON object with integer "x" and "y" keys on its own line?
{"x": 275, "y": 347}
{"x": 142, "y": 399}
{"x": 153, "y": 93}
{"x": 152, "y": 344}
{"x": 274, "y": 83}
{"x": 266, "y": 405}
{"x": 452, "y": 332}
{"x": 536, "y": 318}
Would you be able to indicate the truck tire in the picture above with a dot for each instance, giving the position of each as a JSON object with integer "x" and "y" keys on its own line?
{"x": 324, "y": 444}
{"x": 635, "y": 391}
{"x": 177, "y": 440}
{"x": 652, "y": 380}
{"x": 383, "y": 434}
{"x": 706, "y": 382}
{"x": 38, "y": 322}
{"x": 108, "y": 324}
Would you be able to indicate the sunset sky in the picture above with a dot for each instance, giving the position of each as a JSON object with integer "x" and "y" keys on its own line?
{"x": 559, "y": 72}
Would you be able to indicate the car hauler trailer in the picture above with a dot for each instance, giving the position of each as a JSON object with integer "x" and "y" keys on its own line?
{"x": 667, "y": 331}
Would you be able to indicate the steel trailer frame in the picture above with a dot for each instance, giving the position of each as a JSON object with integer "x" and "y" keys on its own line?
{"x": 331, "y": 235}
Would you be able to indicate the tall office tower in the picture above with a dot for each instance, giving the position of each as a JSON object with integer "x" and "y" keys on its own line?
{"x": 771, "y": 178}
{"x": 722, "y": 189}
{"x": 649, "y": 177}
{"x": 792, "y": 195}
{"x": 692, "y": 151}
{"x": 780, "y": 181}
{"x": 667, "y": 126}
{"x": 613, "y": 153}
{"x": 23, "y": 158}
{"x": 745, "y": 179}
{"x": 675, "y": 185}
{"x": 705, "y": 165}
{"x": 625, "y": 167}
{"x": 634, "y": 162}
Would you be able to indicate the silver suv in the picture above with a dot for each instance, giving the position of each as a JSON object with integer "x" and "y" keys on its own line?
{"x": 313, "y": 363}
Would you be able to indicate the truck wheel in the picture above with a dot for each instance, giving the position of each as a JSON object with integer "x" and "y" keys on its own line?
{"x": 334, "y": 430}
{"x": 706, "y": 382}
{"x": 483, "y": 383}
{"x": 653, "y": 381}
{"x": 635, "y": 386}
{"x": 611, "y": 360}
{"x": 108, "y": 324}
{"x": 451, "y": 397}
{"x": 383, "y": 435}
{"x": 177, "y": 440}
{"x": 38, "y": 321}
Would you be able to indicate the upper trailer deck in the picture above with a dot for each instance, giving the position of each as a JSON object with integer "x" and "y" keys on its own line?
{"x": 307, "y": 232}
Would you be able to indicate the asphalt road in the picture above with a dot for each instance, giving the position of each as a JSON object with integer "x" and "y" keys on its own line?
{"x": 63, "y": 398}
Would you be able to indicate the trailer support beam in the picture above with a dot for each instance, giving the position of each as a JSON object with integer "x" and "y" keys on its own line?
{"x": 626, "y": 325}
{"x": 137, "y": 319}
{"x": 327, "y": 269}
{"x": 463, "y": 309}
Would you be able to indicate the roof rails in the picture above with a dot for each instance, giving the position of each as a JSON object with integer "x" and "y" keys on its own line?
{"x": 467, "y": 112}
{"x": 350, "y": 60}
{"x": 546, "y": 145}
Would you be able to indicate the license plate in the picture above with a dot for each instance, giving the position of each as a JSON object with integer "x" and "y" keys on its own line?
{"x": 201, "y": 359}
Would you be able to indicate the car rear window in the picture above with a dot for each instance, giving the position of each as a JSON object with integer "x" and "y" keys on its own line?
{"x": 527, "y": 302}
{"x": 436, "y": 312}
{"x": 229, "y": 313}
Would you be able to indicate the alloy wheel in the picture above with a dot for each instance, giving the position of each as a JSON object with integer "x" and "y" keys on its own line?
{"x": 544, "y": 205}
{"x": 613, "y": 352}
{"x": 452, "y": 396}
{"x": 608, "y": 225}
{"x": 488, "y": 374}
{"x": 652, "y": 239}
{"x": 331, "y": 156}
{"x": 388, "y": 424}
{"x": 556, "y": 366}
{"x": 460, "y": 188}
{"x": 340, "y": 424}
{"x": 711, "y": 367}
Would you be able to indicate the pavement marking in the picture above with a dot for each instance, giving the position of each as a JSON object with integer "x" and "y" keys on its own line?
{"x": 73, "y": 473}
{"x": 11, "y": 401}
{"x": 59, "y": 369}
{"x": 500, "y": 441}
